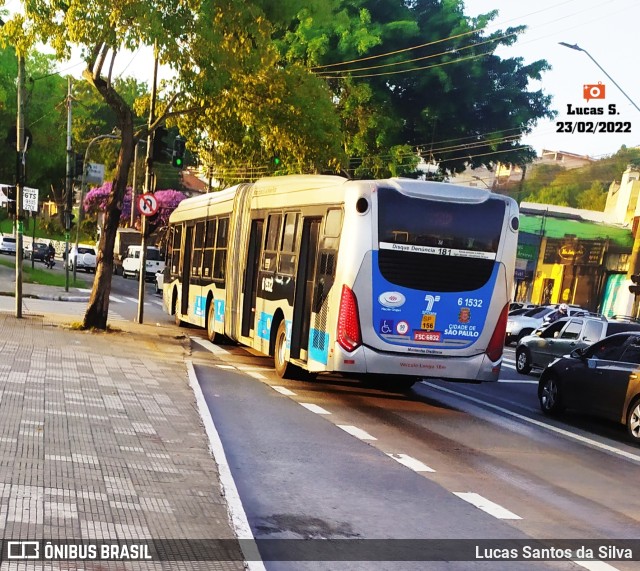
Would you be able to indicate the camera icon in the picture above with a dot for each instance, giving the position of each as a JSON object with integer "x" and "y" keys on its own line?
{"x": 593, "y": 91}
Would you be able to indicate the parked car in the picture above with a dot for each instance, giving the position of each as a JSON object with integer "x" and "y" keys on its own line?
{"x": 83, "y": 259}
{"x": 37, "y": 251}
{"x": 553, "y": 340}
{"x": 519, "y": 305}
{"x": 7, "y": 244}
{"x": 601, "y": 380}
{"x": 519, "y": 326}
{"x": 520, "y": 311}
{"x": 131, "y": 262}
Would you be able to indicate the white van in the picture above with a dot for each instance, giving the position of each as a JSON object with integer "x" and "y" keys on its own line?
{"x": 7, "y": 244}
{"x": 131, "y": 262}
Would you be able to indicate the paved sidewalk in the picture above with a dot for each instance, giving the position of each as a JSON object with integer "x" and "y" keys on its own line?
{"x": 100, "y": 439}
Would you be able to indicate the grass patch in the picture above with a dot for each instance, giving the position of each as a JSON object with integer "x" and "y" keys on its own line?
{"x": 43, "y": 276}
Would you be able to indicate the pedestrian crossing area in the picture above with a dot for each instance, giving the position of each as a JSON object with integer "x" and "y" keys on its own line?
{"x": 124, "y": 299}
{"x": 121, "y": 309}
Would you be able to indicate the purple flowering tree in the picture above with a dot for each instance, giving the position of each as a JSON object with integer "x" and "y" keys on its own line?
{"x": 95, "y": 201}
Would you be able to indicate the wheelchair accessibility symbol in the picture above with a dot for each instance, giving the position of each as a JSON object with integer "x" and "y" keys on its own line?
{"x": 386, "y": 327}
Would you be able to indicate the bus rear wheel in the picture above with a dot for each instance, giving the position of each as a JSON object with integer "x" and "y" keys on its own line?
{"x": 284, "y": 369}
{"x": 212, "y": 335}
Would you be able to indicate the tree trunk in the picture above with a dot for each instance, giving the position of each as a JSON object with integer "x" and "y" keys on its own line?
{"x": 98, "y": 308}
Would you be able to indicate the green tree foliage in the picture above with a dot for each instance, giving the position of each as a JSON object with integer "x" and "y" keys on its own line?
{"x": 584, "y": 187}
{"x": 101, "y": 30}
{"x": 45, "y": 120}
{"x": 263, "y": 108}
{"x": 593, "y": 199}
{"x": 421, "y": 73}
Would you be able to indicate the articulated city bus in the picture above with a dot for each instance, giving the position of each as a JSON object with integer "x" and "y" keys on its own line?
{"x": 390, "y": 277}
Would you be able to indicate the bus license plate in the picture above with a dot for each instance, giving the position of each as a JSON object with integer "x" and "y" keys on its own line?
{"x": 428, "y": 322}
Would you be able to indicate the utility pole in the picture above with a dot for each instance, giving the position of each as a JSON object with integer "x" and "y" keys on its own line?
{"x": 148, "y": 175}
{"x": 21, "y": 153}
{"x": 134, "y": 185}
{"x": 68, "y": 191}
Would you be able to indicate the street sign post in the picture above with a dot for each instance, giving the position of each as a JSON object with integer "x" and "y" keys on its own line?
{"x": 30, "y": 199}
{"x": 147, "y": 204}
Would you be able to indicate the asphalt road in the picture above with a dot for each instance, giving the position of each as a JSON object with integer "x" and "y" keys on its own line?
{"x": 332, "y": 458}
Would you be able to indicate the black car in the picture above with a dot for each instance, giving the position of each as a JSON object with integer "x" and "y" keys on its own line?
{"x": 602, "y": 380}
{"x": 38, "y": 252}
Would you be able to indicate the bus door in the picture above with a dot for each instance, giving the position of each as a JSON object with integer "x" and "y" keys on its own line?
{"x": 186, "y": 270}
{"x": 250, "y": 288}
{"x": 305, "y": 282}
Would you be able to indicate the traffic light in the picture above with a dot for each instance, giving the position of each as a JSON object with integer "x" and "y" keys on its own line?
{"x": 635, "y": 288}
{"x": 79, "y": 165}
{"x": 11, "y": 200}
{"x": 67, "y": 218}
{"x": 276, "y": 161}
{"x": 177, "y": 158}
{"x": 160, "y": 147}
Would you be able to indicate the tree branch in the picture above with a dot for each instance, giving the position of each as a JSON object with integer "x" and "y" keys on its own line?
{"x": 113, "y": 61}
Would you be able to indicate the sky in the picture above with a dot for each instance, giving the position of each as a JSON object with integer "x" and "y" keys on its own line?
{"x": 607, "y": 30}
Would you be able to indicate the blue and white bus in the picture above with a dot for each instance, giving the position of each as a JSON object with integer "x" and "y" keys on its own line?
{"x": 393, "y": 277}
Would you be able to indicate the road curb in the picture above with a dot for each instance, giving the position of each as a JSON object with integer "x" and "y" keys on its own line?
{"x": 49, "y": 297}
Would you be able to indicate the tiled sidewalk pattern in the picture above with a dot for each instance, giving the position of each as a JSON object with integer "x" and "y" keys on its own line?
{"x": 100, "y": 439}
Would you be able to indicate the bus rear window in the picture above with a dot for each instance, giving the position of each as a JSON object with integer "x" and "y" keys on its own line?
{"x": 437, "y": 246}
{"x": 421, "y": 222}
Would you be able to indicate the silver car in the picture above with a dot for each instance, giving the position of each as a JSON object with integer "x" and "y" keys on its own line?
{"x": 519, "y": 326}
{"x": 563, "y": 336}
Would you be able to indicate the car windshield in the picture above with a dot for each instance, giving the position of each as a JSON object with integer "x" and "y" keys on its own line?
{"x": 538, "y": 312}
{"x": 153, "y": 254}
{"x": 86, "y": 251}
{"x": 10, "y": 240}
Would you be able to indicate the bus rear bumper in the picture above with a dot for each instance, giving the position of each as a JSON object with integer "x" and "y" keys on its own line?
{"x": 474, "y": 368}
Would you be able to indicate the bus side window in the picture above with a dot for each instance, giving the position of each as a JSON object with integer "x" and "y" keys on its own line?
{"x": 209, "y": 243}
{"x": 287, "y": 258}
{"x": 325, "y": 278}
{"x": 220, "y": 256}
{"x": 198, "y": 245}
{"x": 177, "y": 250}
{"x": 332, "y": 228}
{"x": 271, "y": 242}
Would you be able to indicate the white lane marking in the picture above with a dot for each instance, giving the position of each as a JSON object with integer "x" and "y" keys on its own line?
{"x": 410, "y": 462}
{"x": 116, "y": 299}
{"x": 83, "y": 289}
{"x": 595, "y": 565}
{"x": 239, "y": 520}
{"x": 209, "y": 346}
{"x": 357, "y": 432}
{"x": 255, "y": 375}
{"x": 156, "y": 302}
{"x": 518, "y": 381}
{"x": 283, "y": 391}
{"x": 486, "y": 505}
{"x": 566, "y": 433}
{"x": 133, "y": 299}
{"x": 314, "y": 408}
{"x": 253, "y": 368}
{"x": 508, "y": 365}
{"x": 226, "y": 367}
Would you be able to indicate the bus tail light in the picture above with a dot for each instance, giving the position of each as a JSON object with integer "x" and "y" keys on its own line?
{"x": 496, "y": 344}
{"x": 349, "y": 336}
